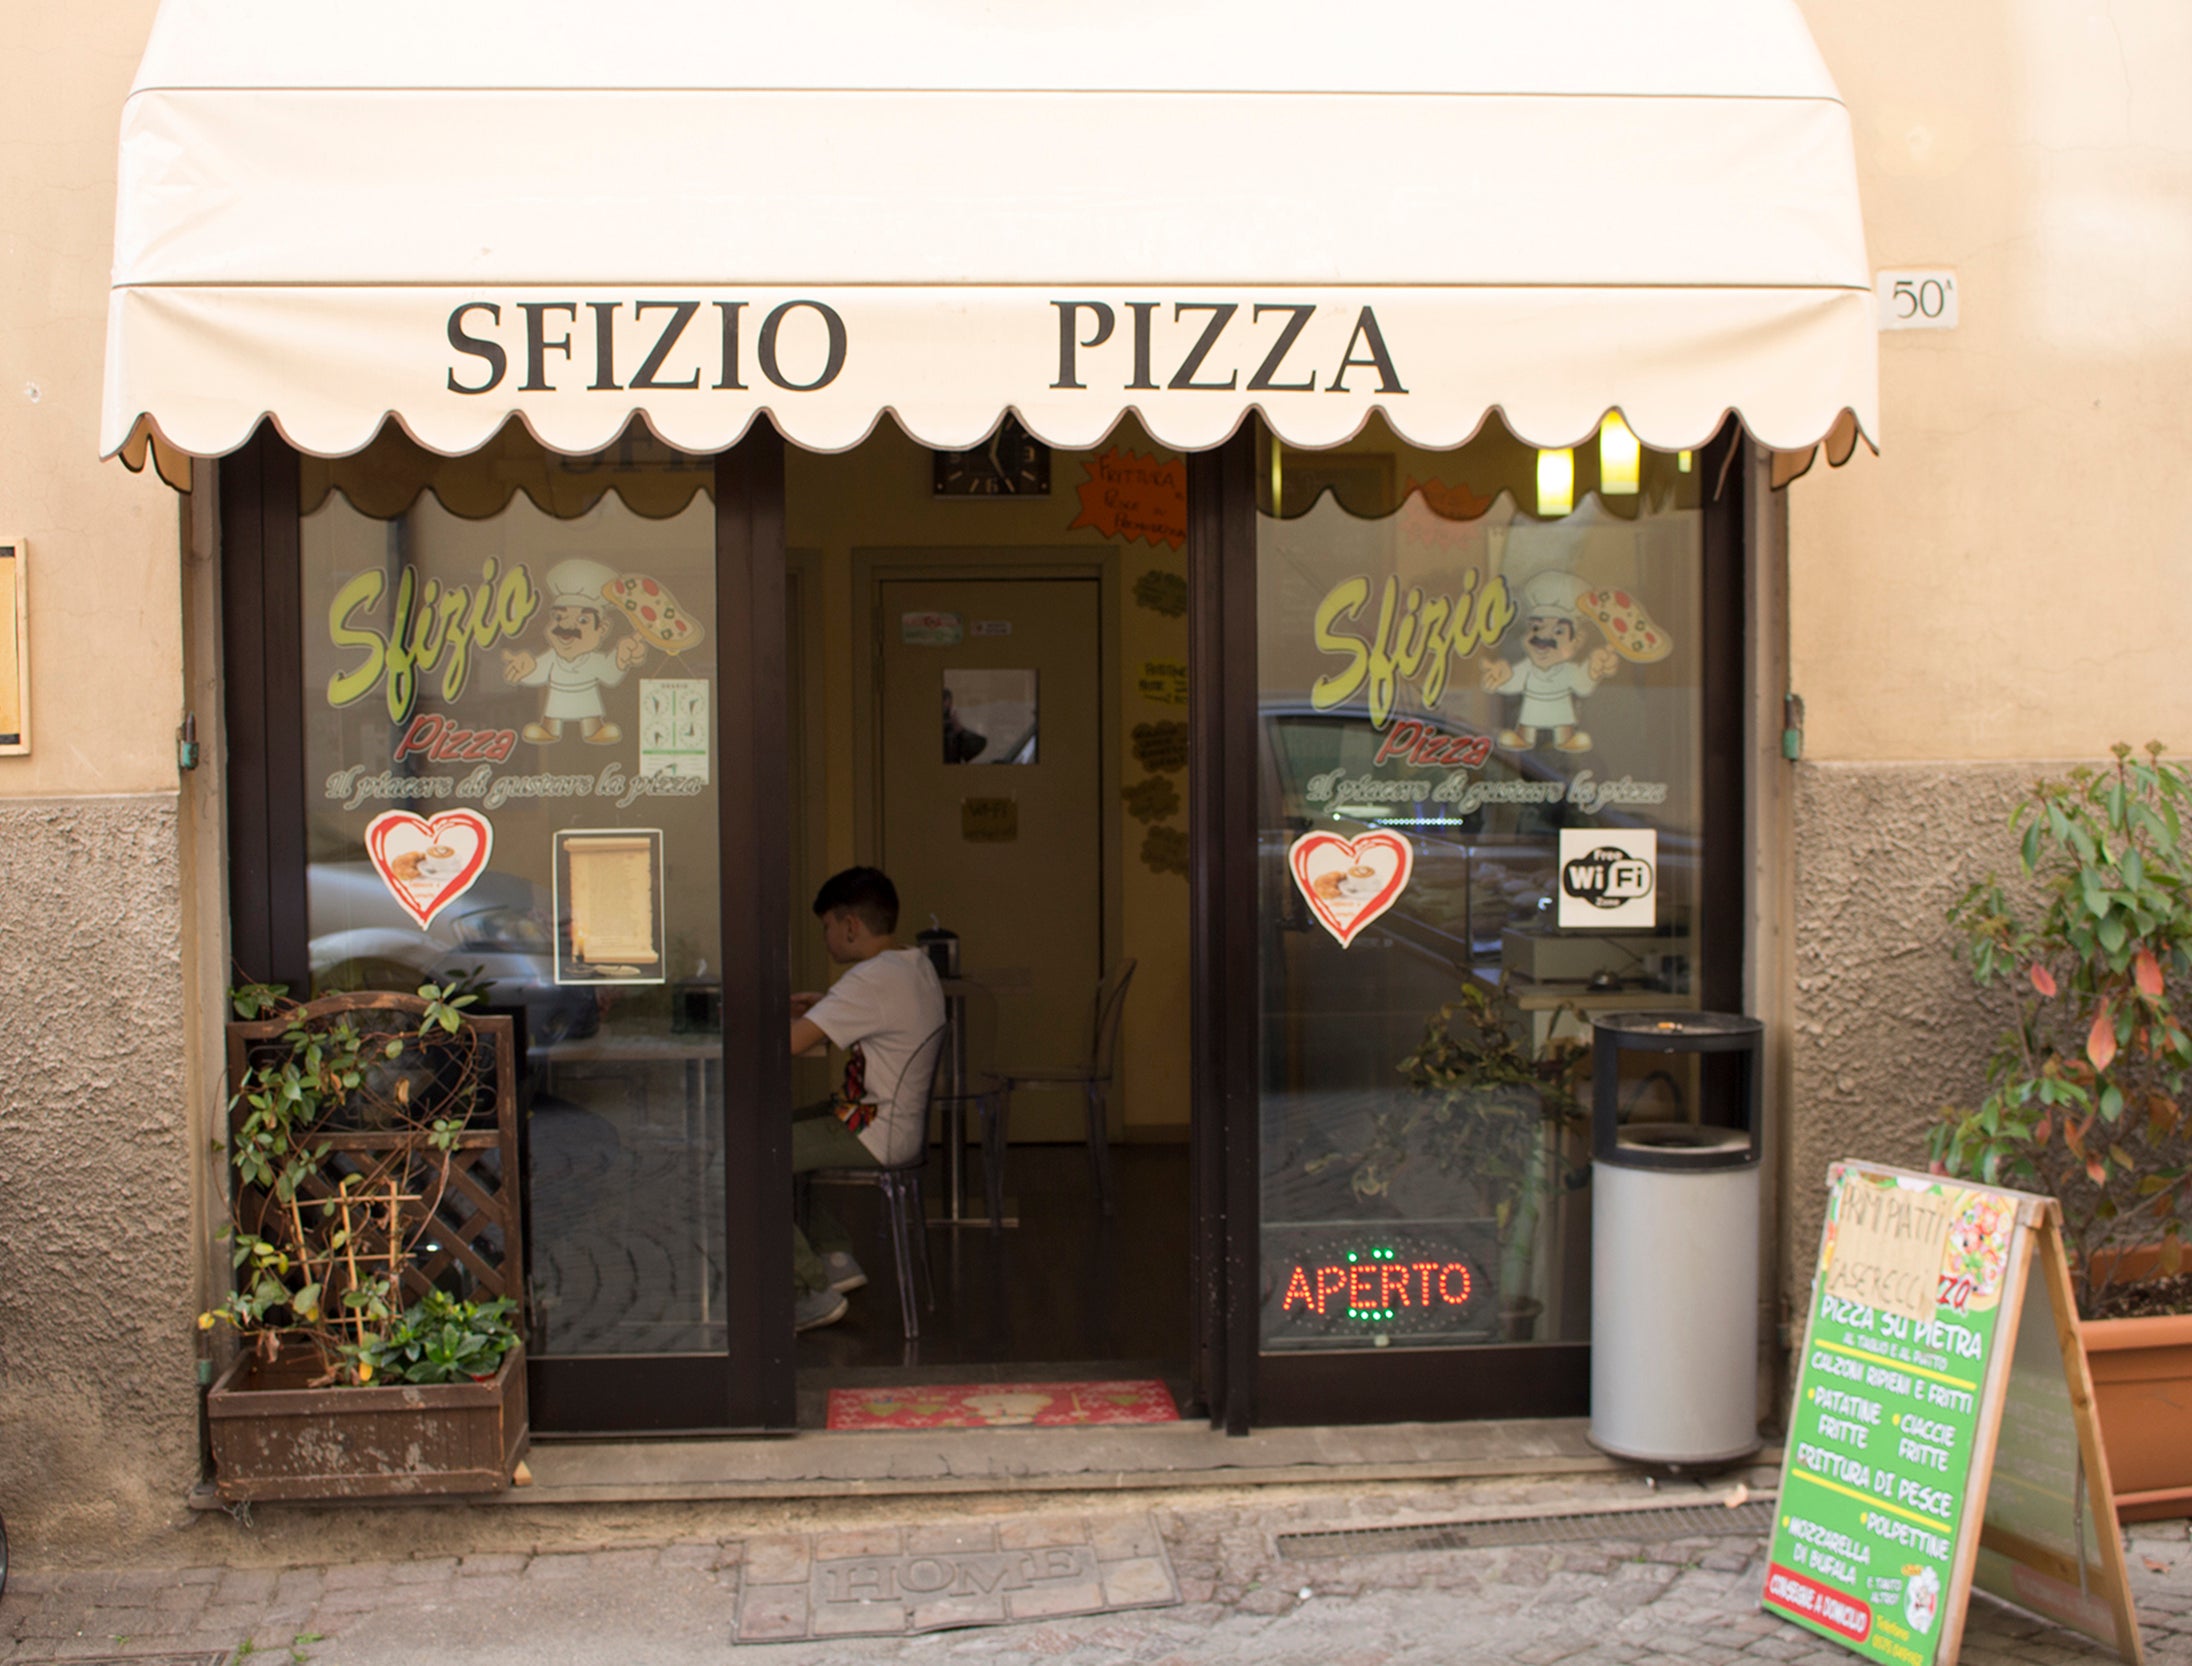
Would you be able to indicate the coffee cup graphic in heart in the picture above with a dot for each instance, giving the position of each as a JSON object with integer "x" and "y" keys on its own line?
{"x": 429, "y": 862}
{"x": 1350, "y": 882}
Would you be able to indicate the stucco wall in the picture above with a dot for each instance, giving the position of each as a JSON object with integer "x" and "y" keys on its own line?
{"x": 1889, "y": 1025}
{"x": 2004, "y": 580}
{"x": 97, "y": 1366}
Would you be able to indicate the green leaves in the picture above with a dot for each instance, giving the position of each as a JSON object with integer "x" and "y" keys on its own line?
{"x": 2082, "y": 960}
{"x": 444, "y": 1007}
{"x": 441, "y": 1339}
{"x": 326, "y": 1222}
{"x": 256, "y": 1000}
{"x": 1481, "y": 1110}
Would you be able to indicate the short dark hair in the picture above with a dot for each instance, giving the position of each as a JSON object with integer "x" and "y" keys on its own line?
{"x": 865, "y": 892}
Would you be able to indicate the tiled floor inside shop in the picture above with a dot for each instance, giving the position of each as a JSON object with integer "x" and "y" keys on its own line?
{"x": 626, "y": 1255}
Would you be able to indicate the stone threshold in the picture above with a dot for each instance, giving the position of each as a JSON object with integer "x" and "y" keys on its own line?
{"x": 884, "y": 1464}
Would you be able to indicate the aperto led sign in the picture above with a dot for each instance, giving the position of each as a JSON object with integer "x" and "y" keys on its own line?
{"x": 1375, "y": 1284}
{"x": 1379, "y": 1284}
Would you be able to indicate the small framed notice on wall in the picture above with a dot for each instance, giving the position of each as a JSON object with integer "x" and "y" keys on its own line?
{"x": 14, "y": 650}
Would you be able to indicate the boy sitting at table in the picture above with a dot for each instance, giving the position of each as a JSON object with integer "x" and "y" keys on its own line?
{"x": 882, "y": 1011}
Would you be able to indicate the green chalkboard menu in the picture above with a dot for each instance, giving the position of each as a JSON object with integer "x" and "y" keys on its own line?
{"x": 1940, "y": 1354}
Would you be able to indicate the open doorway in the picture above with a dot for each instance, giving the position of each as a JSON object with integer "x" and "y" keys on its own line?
{"x": 990, "y": 661}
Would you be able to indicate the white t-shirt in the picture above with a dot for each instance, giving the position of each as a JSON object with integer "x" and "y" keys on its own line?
{"x": 881, "y": 1012}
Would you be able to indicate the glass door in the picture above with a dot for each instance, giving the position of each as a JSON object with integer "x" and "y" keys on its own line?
{"x": 1482, "y": 769}
{"x": 519, "y": 733}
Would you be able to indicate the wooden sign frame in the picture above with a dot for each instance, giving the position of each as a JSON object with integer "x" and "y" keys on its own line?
{"x": 14, "y": 648}
{"x": 2010, "y": 1541}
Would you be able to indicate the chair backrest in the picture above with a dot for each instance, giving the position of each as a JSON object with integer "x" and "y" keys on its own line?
{"x": 1103, "y": 1050}
{"x": 919, "y": 1077}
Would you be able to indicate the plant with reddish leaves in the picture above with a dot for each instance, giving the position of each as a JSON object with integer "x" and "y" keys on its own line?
{"x": 2087, "y": 1086}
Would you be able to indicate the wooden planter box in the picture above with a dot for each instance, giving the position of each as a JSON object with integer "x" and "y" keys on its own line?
{"x": 2142, "y": 1388}
{"x": 275, "y": 1439}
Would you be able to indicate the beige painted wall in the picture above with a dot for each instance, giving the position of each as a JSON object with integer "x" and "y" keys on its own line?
{"x": 106, "y": 621}
{"x": 2008, "y": 579}
{"x": 878, "y": 497}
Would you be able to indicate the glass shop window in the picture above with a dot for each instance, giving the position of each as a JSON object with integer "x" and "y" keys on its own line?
{"x": 1479, "y": 677}
{"x": 509, "y": 672}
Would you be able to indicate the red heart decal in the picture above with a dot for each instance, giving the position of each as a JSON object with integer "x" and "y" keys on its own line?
{"x": 427, "y": 863}
{"x": 1350, "y": 882}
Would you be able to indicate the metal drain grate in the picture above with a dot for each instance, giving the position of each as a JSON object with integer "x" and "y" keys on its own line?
{"x": 1651, "y": 1526}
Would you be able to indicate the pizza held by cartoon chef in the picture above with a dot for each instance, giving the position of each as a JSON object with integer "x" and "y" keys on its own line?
{"x": 654, "y": 612}
{"x": 579, "y": 662}
{"x": 1557, "y": 668}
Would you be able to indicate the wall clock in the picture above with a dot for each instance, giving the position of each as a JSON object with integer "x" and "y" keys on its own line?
{"x": 1013, "y": 463}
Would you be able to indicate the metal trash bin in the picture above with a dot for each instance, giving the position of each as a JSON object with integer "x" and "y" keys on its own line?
{"x": 1674, "y": 1254}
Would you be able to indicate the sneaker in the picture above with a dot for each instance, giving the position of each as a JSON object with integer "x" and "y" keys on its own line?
{"x": 844, "y": 1272}
{"x": 816, "y": 1308}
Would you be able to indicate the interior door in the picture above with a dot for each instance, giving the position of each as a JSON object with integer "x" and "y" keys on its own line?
{"x": 989, "y": 749}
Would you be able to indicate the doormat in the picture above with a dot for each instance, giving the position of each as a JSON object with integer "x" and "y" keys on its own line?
{"x": 894, "y": 1581}
{"x": 1002, "y": 1405}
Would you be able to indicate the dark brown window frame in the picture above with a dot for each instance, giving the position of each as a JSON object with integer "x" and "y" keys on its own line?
{"x": 752, "y": 1386}
{"x": 1548, "y": 1379}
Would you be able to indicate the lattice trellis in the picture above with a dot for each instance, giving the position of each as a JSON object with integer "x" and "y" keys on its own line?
{"x": 459, "y": 1212}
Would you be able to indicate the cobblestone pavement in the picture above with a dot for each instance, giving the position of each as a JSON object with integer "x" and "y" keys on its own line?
{"x": 1605, "y": 1602}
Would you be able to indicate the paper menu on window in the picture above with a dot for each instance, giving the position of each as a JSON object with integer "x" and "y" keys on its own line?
{"x": 613, "y": 905}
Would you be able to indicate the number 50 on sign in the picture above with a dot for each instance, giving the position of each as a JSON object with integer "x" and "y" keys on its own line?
{"x": 1916, "y": 299}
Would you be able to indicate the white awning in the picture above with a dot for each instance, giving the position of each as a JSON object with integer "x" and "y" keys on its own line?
{"x": 453, "y": 211}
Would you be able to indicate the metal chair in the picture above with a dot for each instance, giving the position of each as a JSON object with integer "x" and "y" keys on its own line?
{"x": 905, "y": 1220}
{"x": 1093, "y": 1078}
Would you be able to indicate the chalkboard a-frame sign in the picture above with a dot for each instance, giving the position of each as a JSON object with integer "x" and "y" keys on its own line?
{"x": 1943, "y": 1433}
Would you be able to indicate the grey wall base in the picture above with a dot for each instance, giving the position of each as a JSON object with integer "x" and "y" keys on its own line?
{"x": 1889, "y": 1025}
{"x": 98, "y": 1397}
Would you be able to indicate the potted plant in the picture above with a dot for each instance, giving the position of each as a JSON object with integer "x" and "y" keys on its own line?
{"x": 1483, "y": 1109}
{"x": 2086, "y": 1086}
{"x": 375, "y": 1246}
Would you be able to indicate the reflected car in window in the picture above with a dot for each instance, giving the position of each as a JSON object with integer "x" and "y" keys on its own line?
{"x": 1479, "y": 871}
{"x": 499, "y": 933}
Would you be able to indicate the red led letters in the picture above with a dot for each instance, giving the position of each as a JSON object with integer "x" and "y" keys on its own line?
{"x": 1383, "y": 1286}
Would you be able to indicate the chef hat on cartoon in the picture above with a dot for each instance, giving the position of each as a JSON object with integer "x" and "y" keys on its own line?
{"x": 1554, "y": 593}
{"x": 578, "y": 584}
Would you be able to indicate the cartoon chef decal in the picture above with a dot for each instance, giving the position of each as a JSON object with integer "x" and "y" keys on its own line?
{"x": 578, "y": 664}
{"x": 1552, "y": 678}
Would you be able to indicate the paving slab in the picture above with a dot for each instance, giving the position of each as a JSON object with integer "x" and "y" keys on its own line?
{"x": 687, "y": 1597}
{"x": 895, "y": 1581}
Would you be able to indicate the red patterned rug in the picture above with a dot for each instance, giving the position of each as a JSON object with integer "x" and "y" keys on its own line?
{"x": 1002, "y": 1405}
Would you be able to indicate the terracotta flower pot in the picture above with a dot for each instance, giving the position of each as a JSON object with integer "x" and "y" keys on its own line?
{"x": 2142, "y": 1388}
